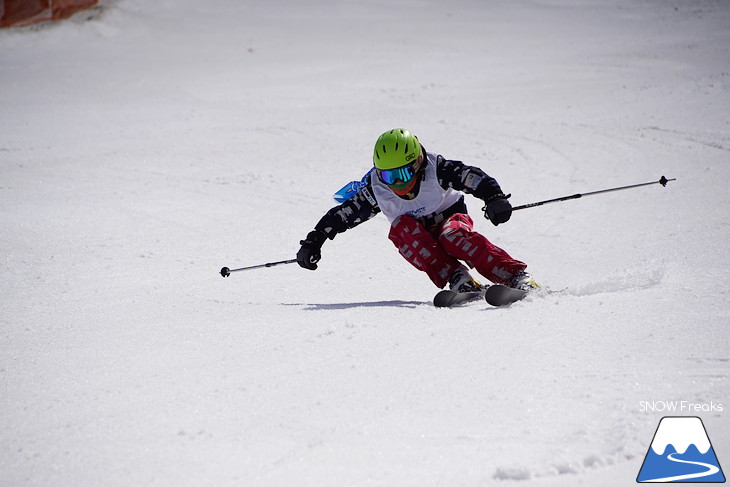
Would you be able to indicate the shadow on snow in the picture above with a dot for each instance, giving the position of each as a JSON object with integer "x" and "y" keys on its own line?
{"x": 365, "y": 304}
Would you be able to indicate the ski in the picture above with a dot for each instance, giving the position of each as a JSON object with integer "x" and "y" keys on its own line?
{"x": 449, "y": 299}
{"x": 499, "y": 295}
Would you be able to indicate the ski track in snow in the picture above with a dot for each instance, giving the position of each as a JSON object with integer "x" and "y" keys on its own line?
{"x": 147, "y": 145}
{"x": 630, "y": 281}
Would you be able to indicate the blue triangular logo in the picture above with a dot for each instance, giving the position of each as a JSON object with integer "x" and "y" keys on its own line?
{"x": 681, "y": 452}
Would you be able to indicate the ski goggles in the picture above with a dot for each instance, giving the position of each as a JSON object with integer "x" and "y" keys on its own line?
{"x": 401, "y": 174}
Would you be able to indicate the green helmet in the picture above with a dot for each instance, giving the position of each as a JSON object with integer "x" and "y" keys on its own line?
{"x": 396, "y": 148}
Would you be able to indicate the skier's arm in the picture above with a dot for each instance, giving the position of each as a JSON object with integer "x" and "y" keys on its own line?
{"x": 351, "y": 213}
{"x": 341, "y": 218}
{"x": 472, "y": 180}
{"x": 468, "y": 179}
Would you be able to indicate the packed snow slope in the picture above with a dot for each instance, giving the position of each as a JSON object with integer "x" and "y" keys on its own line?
{"x": 144, "y": 145}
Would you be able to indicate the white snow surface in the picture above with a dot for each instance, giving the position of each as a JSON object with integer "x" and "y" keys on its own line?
{"x": 144, "y": 145}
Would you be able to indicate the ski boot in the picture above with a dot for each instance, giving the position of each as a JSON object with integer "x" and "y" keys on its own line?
{"x": 462, "y": 282}
{"x": 523, "y": 281}
{"x": 462, "y": 288}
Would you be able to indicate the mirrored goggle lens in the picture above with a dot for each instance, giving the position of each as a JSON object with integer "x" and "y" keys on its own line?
{"x": 402, "y": 174}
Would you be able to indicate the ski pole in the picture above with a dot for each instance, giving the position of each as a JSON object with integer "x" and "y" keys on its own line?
{"x": 663, "y": 181}
{"x": 225, "y": 272}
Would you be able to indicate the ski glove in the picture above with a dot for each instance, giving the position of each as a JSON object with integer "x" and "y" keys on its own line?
{"x": 309, "y": 254}
{"x": 498, "y": 209}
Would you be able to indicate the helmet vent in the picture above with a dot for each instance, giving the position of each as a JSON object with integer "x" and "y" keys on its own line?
{"x": 395, "y": 148}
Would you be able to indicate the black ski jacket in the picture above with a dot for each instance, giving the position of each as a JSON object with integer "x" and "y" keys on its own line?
{"x": 451, "y": 174}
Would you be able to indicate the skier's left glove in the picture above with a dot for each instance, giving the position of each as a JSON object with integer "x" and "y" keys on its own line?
{"x": 310, "y": 253}
{"x": 498, "y": 209}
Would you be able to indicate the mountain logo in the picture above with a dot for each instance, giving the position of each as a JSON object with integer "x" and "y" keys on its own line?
{"x": 680, "y": 452}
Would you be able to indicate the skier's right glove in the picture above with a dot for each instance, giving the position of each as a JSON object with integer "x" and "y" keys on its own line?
{"x": 310, "y": 253}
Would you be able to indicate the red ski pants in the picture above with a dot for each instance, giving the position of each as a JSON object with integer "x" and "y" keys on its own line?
{"x": 438, "y": 252}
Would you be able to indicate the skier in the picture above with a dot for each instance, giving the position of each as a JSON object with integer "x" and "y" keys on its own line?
{"x": 420, "y": 193}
